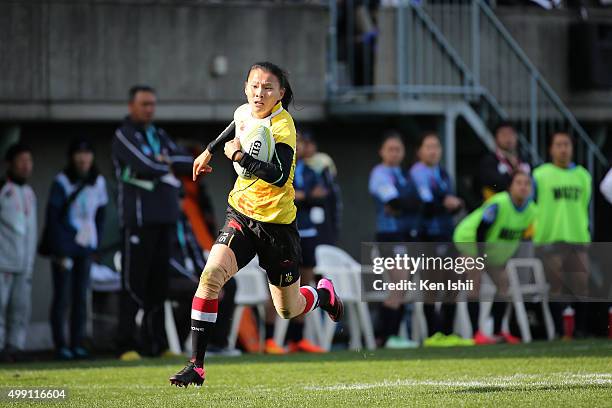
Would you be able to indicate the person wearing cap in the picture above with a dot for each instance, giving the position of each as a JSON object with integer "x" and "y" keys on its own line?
{"x": 17, "y": 250}
{"x": 74, "y": 222}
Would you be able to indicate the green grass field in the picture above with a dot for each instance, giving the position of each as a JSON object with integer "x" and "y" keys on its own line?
{"x": 541, "y": 374}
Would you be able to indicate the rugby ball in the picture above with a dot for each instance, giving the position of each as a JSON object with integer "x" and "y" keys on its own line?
{"x": 259, "y": 143}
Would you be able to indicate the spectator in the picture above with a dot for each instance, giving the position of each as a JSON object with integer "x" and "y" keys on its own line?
{"x": 145, "y": 160}
{"x": 328, "y": 226}
{"x": 496, "y": 168}
{"x": 17, "y": 250}
{"x": 357, "y": 36}
{"x": 438, "y": 204}
{"x": 74, "y": 221}
{"x": 396, "y": 203}
{"x": 563, "y": 193}
{"x": 499, "y": 223}
{"x": 310, "y": 197}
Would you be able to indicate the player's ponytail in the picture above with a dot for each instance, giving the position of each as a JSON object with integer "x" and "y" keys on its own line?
{"x": 283, "y": 79}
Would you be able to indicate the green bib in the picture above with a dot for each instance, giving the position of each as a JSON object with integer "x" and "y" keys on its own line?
{"x": 504, "y": 236}
{"x": 563, "y": 196}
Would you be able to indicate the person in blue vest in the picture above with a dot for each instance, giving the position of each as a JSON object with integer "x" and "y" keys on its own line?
{"x": 310, "y": 197}
{"x": 397, "y": 204}
{"x": 74, "y": 221}
{"x": 438, "y": 205}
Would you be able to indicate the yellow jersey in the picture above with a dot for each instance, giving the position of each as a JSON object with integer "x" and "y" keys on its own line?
{"x": 258, "y": 199}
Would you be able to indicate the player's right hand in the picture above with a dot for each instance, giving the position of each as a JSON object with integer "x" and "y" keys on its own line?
{"x": 200, "y": 164}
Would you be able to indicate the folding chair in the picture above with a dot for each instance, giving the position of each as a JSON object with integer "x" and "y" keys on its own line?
{"x": 538, "y": 291}
{"x": 251, "y": 290}
{"x": 335, "y": 264}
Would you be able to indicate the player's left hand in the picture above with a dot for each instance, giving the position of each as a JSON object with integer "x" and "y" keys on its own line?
{"x": 230, "y": 147}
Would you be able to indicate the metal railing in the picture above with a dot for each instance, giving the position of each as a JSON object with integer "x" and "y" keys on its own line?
{"x": 451, "y": 50}
{"x": 501, "y": 67}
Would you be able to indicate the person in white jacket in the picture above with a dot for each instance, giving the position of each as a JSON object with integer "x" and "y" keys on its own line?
{"x": 17, "y": 250}
{"x": 606, "y": 186}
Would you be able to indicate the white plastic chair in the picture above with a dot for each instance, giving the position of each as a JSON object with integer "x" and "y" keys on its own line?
{"x": 538, "y": 291}
{"x": 251, "y": 290}
{"x": 335, "y": 264}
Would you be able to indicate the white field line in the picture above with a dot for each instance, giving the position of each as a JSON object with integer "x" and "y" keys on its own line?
{"x": 523, "y": 380}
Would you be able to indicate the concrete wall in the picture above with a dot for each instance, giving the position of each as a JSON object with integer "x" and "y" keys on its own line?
{"x": 544, "y": 36}
{"x": 75, "y": 60}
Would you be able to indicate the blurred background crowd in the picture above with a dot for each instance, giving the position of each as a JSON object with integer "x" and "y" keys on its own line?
{"x": 403, "y": 130}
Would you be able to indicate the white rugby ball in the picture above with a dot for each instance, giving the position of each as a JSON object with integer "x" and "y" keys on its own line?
{"x": 259, "y": 143}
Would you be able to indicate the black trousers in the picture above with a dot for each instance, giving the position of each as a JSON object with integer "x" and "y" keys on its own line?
{"x": 144, "y": 276}
{"x": 70, "y": 299}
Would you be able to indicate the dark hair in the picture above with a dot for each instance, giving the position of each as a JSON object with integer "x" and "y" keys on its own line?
{"x": 516, "y": 174}
{"x": 283, "y": 79}
{"x": 424, "y": 135}
{"x": 306, "y": 135}
{"x": 80, "y": 144}
{"x": 139, "y": 88}
{"x": 501, "y": 125}
{"x": 391, "y": 134}
{"x": 15, "y": 150}
{"x": 560, "y": 132}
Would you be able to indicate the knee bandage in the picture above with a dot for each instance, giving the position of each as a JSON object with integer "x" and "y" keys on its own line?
{"x": 220, "y": 267}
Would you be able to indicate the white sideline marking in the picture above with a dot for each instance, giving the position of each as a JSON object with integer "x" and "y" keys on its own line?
{"x": 560, "y": 379}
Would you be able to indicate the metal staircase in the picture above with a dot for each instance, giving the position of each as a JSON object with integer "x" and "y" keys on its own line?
{"x": 454, "y": 58}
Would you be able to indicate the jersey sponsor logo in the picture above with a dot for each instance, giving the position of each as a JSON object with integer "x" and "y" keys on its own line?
{"x": 200, "y": 329}
{"x": 508, "y": 234}
{"x": 255, "y": 148}
{"x": 567, "y": 193}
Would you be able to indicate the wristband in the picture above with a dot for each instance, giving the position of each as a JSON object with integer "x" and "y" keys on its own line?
{"x": 234, "y": 154}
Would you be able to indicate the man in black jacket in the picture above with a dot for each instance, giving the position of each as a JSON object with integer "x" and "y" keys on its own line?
{"x": 497, "y": 168}
{"x": 145, "y": 160}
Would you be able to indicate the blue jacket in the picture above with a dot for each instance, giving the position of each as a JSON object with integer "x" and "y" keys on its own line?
{"x": 433, "y": 184}
{"x": 148, "y": 190}
{"x": 77, "y": 231}
{"x": 306, "y": 179}
{"x": 392, "y": 187}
